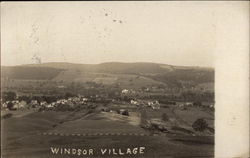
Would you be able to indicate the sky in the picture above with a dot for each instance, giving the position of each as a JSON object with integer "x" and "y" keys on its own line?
{"x": 176, "y": 33}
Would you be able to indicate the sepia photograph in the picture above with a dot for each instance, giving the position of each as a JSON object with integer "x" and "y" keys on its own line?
{"x": 109, "y": 79}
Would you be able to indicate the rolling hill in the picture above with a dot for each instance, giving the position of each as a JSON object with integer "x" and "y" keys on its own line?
{"x": 127, "y": 74}
{"x": 29, "y": 73}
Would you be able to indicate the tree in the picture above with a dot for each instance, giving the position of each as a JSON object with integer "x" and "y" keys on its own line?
{"x": 125, "y": 112}
{"x": 200, "y": 125}
{"x": 197, "y": 103}
{"x": 10, "y": 105}
{"x": 68, "y": 95}
{"x": 9, "y": 96}
{"x": 165, "y": 117}
{"x": 8, "y": 115}
{"x": 118, "y": 111}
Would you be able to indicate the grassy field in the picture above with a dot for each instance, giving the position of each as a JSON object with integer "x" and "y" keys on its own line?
{"x": 21, "y": 136}
{"x": 157, "y": 146}
{"x": 181, "y": 120}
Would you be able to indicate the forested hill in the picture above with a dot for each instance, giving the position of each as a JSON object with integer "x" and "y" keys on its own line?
{"x": 111, "y": 72}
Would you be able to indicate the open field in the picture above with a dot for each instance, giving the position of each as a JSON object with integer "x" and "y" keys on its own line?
{"x": 22, "y": 135}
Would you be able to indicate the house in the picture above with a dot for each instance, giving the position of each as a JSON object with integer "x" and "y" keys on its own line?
{"x": 154, "y": 104}
{"x": 49, "y": 106}
{"x": 84, "y": 99}
{"x": 123, "y": 112}
{"x": 125, "y": 91}
{"x": 134, "y": 102}
{"x": 60, "y": 86}
{"x": 43, "y": 103}
{"x": 211, "y": 106}
{"x": 23, "y": 104}
{"x": 181, "y": 105}
{"x": 16, "y": 104}
{"x": 158, "y": 124}
{"x": 34, "y": 103}
{"x": 188, "y": 104}
{"x": 4, "y": 105}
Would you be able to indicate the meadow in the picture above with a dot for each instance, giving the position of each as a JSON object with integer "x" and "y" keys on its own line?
{"x": 23, "y": 135}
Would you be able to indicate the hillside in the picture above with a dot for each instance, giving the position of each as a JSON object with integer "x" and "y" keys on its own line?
{"x": 126, "y": 74}
{"x": 29, "y": 73}
{"x": 110, "y": 67}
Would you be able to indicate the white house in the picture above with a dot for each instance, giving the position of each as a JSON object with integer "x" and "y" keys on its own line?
{"x": 134, "y": 102}
{"x": 125, "y": 91}
{"x": 23, "y": 104}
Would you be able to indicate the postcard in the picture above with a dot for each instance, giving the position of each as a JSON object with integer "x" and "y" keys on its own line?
{"x": 148, "y": 79}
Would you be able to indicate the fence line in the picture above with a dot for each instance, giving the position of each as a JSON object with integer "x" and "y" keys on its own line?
{"x": 93, "y": 134}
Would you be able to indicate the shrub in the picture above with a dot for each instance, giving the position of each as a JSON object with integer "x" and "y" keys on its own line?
{"x": 8, "y": 115}
{"x": 125, "y": 112}
{"x": 90, "y": 112}
{"x": 118, "y": 111}
{"x": 197, "y": 103}
{"x": 24, "y": 98}
{"x": 10, "y": 106}
{"x": 68, "y": 95}
{"x": 9, "y": 96}
{"x": 164, "y": 117}
{"x": 200, "y": 125}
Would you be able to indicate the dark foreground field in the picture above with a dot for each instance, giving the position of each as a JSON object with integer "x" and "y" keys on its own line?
{"x": 32, "y": 134}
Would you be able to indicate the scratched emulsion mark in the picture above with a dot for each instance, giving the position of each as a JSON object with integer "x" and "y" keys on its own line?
{"x": 36, "y": 59}
{"x": 35, "y": 41}
{"x": 34, "y": 34}
{"x": 232, "y": 119}
{"x": 111, "y": 23}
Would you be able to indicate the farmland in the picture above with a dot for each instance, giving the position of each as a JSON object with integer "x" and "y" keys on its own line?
{"x": 168, "y": 110}
{"x": 23, "y": 136}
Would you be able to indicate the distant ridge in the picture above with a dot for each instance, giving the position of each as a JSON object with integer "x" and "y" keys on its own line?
{"x": 49, "y": 64}
{"x": 138, "y": 73}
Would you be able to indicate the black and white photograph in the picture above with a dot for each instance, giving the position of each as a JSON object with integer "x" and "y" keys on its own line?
{"x": 110, "y": 79}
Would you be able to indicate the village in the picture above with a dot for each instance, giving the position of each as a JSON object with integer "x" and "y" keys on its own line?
{"x": 159, "y": 112}
{"x": 80, "y": 100}
{"x": 154, "y": 115}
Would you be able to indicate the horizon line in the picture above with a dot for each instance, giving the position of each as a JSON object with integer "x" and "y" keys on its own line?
{"x": 107, "y": 62}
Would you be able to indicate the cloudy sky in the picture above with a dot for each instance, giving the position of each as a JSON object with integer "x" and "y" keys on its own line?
{"x": 177, "y": 33}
